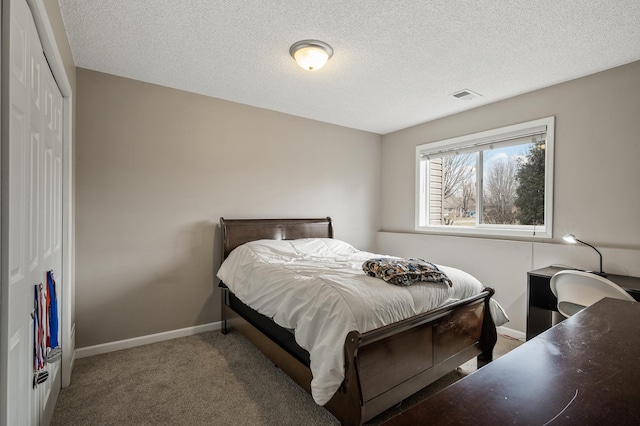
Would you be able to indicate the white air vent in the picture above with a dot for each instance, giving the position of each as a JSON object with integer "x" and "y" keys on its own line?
{"x": 465, "y": 94}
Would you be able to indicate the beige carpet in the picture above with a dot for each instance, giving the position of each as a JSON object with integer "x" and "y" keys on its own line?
{"x": 206, "y": 379}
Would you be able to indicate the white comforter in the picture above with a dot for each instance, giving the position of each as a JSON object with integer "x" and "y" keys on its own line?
{"x": 317, "y": 287}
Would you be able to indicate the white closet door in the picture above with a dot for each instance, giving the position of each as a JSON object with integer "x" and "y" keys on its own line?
{"x": 20, "y": 324}
{"x": 50, "y": 209}
{"x": 31, "y": 210}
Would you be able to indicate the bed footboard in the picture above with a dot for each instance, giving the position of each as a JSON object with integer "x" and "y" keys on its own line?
{"x": 387, "y": 365}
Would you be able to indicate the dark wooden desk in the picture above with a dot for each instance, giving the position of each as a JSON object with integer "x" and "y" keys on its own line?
{"x": 541, "y": 302}
{"x": 583, "y": 371}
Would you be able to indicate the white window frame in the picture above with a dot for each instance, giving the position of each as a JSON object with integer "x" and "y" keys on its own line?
{"x": 470, "y": 143}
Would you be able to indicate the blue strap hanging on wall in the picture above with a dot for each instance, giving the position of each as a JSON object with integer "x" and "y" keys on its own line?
{"x": 54, "y": 347}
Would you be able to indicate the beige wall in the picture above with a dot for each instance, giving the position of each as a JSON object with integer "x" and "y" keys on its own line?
{"x": 157, "y": 167}
{"x": 596, "y": 196}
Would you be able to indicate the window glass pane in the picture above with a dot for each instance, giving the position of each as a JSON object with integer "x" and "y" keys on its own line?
{"x": 452, "y": 192}
{"x": 530, "y": 194}
{"x": 513, "y": 185}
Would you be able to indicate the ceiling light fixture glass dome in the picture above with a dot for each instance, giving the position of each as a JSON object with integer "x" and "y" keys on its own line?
{"x": 311, "y": 54}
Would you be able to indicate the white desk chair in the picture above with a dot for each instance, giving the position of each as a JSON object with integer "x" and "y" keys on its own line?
{"x": 576, "y": 290}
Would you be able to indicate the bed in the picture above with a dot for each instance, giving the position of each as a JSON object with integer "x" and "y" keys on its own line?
{"x": 381, "y": 366}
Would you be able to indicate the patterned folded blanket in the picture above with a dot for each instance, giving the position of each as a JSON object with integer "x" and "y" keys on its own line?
{"x": 404, "y": 272}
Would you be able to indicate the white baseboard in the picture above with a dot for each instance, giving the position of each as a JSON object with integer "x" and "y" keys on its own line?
{"x": 190, "y": 331}
{"x": 512, "y": 333}
{"x": 144, "y": 340}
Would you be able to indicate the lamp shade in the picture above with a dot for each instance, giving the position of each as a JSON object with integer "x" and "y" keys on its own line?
{"x": 570, "y": 238}
{"x": 311, "y": 54}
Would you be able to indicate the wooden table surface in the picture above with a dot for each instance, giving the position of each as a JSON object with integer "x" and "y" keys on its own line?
{"x": 583, "y": 371}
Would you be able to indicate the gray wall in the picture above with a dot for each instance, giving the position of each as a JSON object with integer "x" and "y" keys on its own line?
{"x": 596, "y": 196}
{"x": 157, "y": 167}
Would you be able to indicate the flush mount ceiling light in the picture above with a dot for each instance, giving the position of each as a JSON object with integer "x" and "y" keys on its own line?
{"x": 311, "y": 54}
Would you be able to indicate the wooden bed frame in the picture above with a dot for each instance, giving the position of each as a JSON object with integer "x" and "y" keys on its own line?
{"x": 382, "y": 366}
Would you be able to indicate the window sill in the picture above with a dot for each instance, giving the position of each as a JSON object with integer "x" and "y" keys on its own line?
{"x": 487, "y": 230}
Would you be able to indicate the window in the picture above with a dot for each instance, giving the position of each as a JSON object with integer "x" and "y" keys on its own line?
{"x": 498, "y": 182}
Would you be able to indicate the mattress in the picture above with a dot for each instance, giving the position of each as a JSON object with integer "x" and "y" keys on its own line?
{"x": 317, "y": 288}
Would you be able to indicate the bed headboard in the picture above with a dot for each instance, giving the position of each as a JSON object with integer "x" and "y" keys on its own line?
{"x": 236, "y": 232}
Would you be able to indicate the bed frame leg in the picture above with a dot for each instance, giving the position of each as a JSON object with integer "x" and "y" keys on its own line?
{"x": 484, "y": 358}
{"x": 489, "y": 335}
{"x": 223, "y": 297}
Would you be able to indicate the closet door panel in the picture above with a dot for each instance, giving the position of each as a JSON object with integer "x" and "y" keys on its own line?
{"x": 31, "y": 212}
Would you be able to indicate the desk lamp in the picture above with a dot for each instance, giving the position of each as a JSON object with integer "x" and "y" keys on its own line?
{"x": 570, "y": 238}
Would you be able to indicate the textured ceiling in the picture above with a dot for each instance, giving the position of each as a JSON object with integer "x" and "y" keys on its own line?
{"x": 395, "y": 64}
